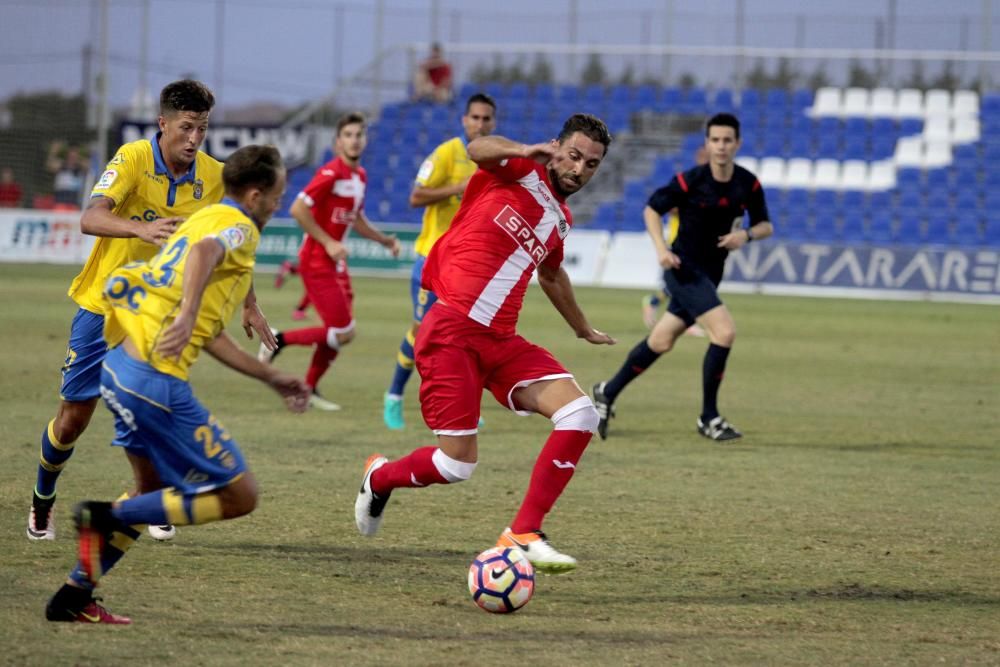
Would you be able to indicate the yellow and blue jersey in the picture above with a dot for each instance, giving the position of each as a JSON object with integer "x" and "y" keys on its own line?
{"x": 145, "y": 296}
{"x": 142, "y": 188}
{"x": 447, "y": 165}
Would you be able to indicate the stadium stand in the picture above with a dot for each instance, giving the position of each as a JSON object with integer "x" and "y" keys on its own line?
{"x": 854, "y": 165}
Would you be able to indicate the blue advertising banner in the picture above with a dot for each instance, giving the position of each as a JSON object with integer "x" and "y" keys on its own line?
{"x": 883, "y": 271}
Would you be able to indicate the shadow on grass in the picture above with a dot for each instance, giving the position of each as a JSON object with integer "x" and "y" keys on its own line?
{"x": 343, "y": 553}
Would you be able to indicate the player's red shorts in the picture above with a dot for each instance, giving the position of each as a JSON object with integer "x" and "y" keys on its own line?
{"x": 329, "y": 288}
{"x": 457, "y": 358}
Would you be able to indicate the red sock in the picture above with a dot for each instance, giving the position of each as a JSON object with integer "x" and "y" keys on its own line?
{"x": 415, "y": 469}
{"x": 307, "y": 336}
{"x": 321, "y": 360}
{"x": 553, "y": 470}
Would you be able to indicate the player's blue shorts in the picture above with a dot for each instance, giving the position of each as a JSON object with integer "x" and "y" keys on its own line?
{"x": 158, "y": 417}
{"x": 422, "y": 299}
{"x": 692, "y": 293}
{"x": 81, "y": 370}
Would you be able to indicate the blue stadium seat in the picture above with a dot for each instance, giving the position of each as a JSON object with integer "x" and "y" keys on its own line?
{"x": 777, "y": 101}
{"x": 621, "y": 95}
{"x": 910, "y": 126}
{"x": 967, "y": 231}
{"x": 938, "y": 223}
{"x": 880, "y": 203}
{"x": 723, "y": 101}
{"x": 825, "y": 226}
{"x": 991, "y": 231}
{"x": 802, "y": 99}
{"x": 800, "y": 145}
{"x": 749, "y": 100}
{"x": 854, "y": 229}
{"x": 543, "y": 93}
{"x": 517, "y": 92}
{"x": 694, "y": 101}
{"x": 670, "y": 100}
{"x": 909, "y": 230}
{"x": 798, "y": 201}
{"x": 880, "y": 229}
{"x": 792, "y": 226}
{"x": 645, "y": 97}
{"x": 567, "y": 92}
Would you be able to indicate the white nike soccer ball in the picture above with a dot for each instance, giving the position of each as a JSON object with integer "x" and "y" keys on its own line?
{"x": 501, "y": 580}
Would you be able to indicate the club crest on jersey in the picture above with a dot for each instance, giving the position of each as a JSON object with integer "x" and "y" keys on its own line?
{"x": 199, "y": 189}
{"x": 514, "y": 224}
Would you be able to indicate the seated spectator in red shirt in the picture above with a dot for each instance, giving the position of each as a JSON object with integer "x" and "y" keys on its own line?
{"x": 10, "y": 190}
{"x": 433, "y": 78}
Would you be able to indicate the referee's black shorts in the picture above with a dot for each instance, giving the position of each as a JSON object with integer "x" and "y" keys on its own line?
{"x": 692, "y": 293}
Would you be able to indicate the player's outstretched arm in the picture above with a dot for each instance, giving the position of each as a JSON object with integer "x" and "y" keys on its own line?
{"x": 98, "y": 220}
{"x": 307, "y": 221}
{"x": 558, "y": 288}
{"x": 254, "y": 320}
{"x": 741, "y": 237}
{"x": 422, "y": 196}
{"x": 294, "y": 390}
{"x": 488, "y": 151}
{"x": 366, "y": 229}
{"x": 201, "y": 261}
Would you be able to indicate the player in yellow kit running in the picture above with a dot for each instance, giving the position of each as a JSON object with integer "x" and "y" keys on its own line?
{"x": 162, "y": 313}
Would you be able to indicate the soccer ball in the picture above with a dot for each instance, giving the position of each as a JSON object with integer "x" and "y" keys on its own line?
{"x": 501, "y": 580}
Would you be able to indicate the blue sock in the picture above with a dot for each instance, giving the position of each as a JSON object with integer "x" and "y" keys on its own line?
{"x": 712, "y": 370}
{"x": 404, "y": 366}
{"x": 51, "y": 461}
{"x": 169, "y": 507}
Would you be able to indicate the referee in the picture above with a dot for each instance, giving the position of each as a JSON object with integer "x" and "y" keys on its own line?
{"x": 712, "y": 201}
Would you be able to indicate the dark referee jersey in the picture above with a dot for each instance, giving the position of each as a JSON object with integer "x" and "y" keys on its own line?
{"x": 707, "y": 210}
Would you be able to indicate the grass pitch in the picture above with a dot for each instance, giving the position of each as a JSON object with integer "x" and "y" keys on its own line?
{"x": 855, "y": 523}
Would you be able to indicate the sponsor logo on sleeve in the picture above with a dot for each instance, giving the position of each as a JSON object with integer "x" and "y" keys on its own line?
{"x": 426, "y": 169}
{"x": 232, "y": 237}
{"x": 106, "y": 180}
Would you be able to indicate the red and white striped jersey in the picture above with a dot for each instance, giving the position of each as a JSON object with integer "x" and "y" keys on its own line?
{"x": 511, "y": 220}
{"x": 335, "y": 195}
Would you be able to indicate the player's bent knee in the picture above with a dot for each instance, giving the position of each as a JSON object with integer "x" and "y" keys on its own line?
{"x": 240, "y": 498}
{"x": 451, "y": 469}
{"x": 577, "y": 415}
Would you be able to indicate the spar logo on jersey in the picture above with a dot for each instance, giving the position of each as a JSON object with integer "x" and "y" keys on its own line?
{"x": 514, "y": 224}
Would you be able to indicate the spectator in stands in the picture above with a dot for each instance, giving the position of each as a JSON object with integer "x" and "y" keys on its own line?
{"x": 69, "y": 173}
{"x": 10, "y": 190}
{"x": 432, "y": 80}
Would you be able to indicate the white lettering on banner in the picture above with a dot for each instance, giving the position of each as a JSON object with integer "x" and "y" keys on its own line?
{"x": 987, "y": 267}
{"x": 813, "y": 253}
{"x": 41, "y": 236}
{"x": 921, "y": 263}
{"x": 880, "y": 268}
{"x": 955, "y": 265}
{"x": 849, "y": 261}
{"x": 223, "y": 140}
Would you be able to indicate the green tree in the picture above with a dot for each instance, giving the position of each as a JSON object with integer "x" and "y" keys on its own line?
{"x": 818, "y": 79}
{"x": 541, "y": 71}
{"x": 917, "y": 78}
{"x": 859, "y": 76}
{"x": 947, "y": 78}
{"x": 593, "y": 72}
